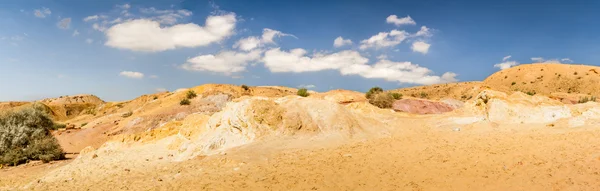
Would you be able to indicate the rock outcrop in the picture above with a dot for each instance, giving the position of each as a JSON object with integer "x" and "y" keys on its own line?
{"x": 421, "y": 106}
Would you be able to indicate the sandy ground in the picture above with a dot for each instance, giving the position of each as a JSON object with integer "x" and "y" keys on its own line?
{"x": 423, "y": 154}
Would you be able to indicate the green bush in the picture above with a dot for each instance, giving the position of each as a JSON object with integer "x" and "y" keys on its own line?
{"x": 373, "y": 91}
{"x": 83, "y": 124}
{"x": 513, "y": 83}
{"x": 531, "y": 93}
{"x": 184, "y": 102}
{"x": 191, "y": 94}
{"x": 396, "y": 96}
{"x": 424, "y": 95}
{"x": 56, "y": 126}
{"x": 126, "y": 115}
{"x": 303, "y": 92}
{"x": 25, "y": 135}
{"x": 382, "y": 100}
{"x": 245, "y": 87}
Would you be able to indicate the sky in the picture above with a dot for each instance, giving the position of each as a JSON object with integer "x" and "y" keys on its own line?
{"x": 119, "y": 50}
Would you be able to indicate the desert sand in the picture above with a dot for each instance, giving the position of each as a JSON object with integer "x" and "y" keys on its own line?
{"x": 268, "y": 138}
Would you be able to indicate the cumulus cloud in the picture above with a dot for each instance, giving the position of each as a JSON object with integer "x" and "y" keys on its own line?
{"x": 168, "y": 16}
{"x": 384, "y": 39}
{"x": 99, "y": 27}
{"x": 554, "y": 60}
{"x": 506, "y": 63}
{"x": 131, "y": 74}
{"x": 148, "y": 35}
{"x": 307, "y": 86}
{"x": 420, "y": 46}
{"x": 75, "y": 33}
{"x": 64, "y": 23}
{"x": 393, "y": 19}
{"x": 226, "y": 62}
{"x": 42, "y": 13}
{"x": 252, "y": 42}
{"x": 350, "y": 62}
{"x": 91, "y": 18}
{"x": 339, "y": 42}
{"x": 423, "y": 32}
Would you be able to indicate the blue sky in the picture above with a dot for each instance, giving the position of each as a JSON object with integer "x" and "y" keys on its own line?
{"x": 119, "y": 50}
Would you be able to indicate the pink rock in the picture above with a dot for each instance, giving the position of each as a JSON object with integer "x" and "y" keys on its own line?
{"x": 421, "y": 106}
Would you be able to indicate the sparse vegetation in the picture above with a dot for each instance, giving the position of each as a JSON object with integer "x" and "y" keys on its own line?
{"x": 126, "y": 115}
{"x": 513, "y": 83}
{"x": 373, "y": 91}
{"x": 382, "y": 100}
{"x": 184, "y": 102}
{"x": 396, "y": 96}
{"x": 531, "y": 93}
{"x": 587, "y": 99}
{"x": 191, "y": 94}
{"x": 424, "y": 95}
{"x": 84, "y": 124}
{"x": 56, "y": 126}
{"x": 303, "y": 92}
{"x": 25, "y": 135}
{"x": 575, "y": 73}
{"x": 154, "y": 98}
{"x": 245, "y": 87}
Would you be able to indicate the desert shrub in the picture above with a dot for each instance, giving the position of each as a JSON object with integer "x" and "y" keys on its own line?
{"x": 184, "y": 102}
{"x": 531, "y": 93}
{"x": 382, "y": 100}
{"x": 83, "y": 124}
{"x": 245, "y": 87}
{"x": 154, "y": 98}
{"x": 424, "y": 95}
{"x": 303, "y": 92}
{"x": 463, "y": 97}
{"x": 575, "y": 73}
{"x": 56, "y": 126}
{"x": 373, "y": 91}
{"x": 126, "y": 115}
{"x": 191, "y": 94}
{"x": 25, "y": 135}
{"x": 587, "y": 99}
{"x": 513, "y": 83}
{"x": 396, "y": 96}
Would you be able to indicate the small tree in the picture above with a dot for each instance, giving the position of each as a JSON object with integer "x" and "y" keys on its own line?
{"x": 191, "y": 94}
{"x": 303, "y": 92}
{"x": 245, "y": 87}
{"x": 396, "y": 96}
{"x": 184, "y": 102}
{"x": 373, "y": 91}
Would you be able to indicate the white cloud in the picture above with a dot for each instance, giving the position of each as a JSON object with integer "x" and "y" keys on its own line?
{"x": 566, "y": 60}
{"x": 393, "y": 19}
{"x": 506, "y": 58}
{"x": 420, "y": 46}
{"x": 130, "y": 74}
{"x": 75, "y": 33}
{"x": 384, "y": 39}
{"x": 339, "y": 42}
{"x": 42, "y": 13}
{"x": 124, "y": 6}
{"x": 91, "y": 18}
{"x": 308, "y": 86}
{"x": 350, "y": 62}
{"x": 382, "y": 57}
{"x": 168, "y": 16}
{"x": 89, "y": 41}
{"x": 555, "y": 60}
{"x": 99, "y": 27}
{"x": 147, "y": 35}
{"x": 226, "y": 62}
{"x": 506, "y": 64}
{"x": 424, "y": 32}
{"x": 252, "y": 42}
{"x": 64, "y": 23}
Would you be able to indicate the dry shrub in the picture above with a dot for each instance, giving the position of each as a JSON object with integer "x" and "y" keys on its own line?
{"x": 382, "y": 100}
{"x": 25, "y": 135}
